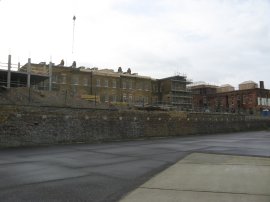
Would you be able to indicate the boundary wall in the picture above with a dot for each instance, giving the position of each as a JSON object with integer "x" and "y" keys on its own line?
{"x": 32, "y": 126}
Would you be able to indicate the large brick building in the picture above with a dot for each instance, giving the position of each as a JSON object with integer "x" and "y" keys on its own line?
{"x": 248, "y": 99}
{"x": 108, "y": 86}
{"x": 203, "y": 96}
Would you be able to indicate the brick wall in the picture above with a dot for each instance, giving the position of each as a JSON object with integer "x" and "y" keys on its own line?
{"x": 26, "y": 126}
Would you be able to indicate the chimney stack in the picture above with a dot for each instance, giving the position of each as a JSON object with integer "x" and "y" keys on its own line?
{"x": 261, "y": 85}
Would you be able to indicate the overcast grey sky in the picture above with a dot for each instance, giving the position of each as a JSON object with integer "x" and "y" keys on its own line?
{"x": 216, "y": 41}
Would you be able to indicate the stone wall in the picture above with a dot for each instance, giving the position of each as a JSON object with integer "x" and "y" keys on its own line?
{"x": 30, "y": 126}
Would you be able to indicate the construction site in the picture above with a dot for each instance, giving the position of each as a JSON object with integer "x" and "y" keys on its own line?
{"x": 50, "y": 84}
{"x": 59, "y": 85}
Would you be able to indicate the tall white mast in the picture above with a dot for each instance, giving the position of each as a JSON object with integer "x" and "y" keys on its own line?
{"x": 74, "y": 18}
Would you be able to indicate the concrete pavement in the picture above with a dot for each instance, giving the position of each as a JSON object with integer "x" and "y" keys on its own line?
{"x": 209, "y": 178}
{"x": 106, "y": 172}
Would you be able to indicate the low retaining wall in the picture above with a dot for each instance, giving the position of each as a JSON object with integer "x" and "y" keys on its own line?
{"x": 27, "y": 126}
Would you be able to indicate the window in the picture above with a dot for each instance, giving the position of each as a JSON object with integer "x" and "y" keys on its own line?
{"x": 106, "y": 98}
{"x": 106, "y": 83}
{"x": 154, "y": 88}
{"x": 145, "y": 100}
{"x": 75, "y": 80}
{"x": 124, "y": 85}
{"x": 98, "y": 82}
{"x": 264, "y": 101}
{"x": 54, "y": 79}
{"x": 114, "y": 98}
{"x": 63, "y": 79}
{"x": 244, "y": 99}
{"x": 130, "y": 85}
{"x": 102, "y": 98}
{"x": 85, "y": 81}
{"x": 139, "y": 86}
{"x": 130, "y": 99}
{"x": 204, "y": 100}
{"x": 146, "y": 87}
{"x": 124, "y": 97}
{"x": 74, "y": 90}
{"x": 114, "y": 83}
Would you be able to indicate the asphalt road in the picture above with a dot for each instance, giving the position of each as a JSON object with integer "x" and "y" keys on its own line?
{"x": 108, "y": 171}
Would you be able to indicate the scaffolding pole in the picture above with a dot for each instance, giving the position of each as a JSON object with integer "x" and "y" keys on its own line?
{"x": 29, "y": 73}
{"x": 9, "y": 71}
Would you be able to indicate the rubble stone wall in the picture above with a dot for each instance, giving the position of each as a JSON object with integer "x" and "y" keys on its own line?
{"x": 32, "y": 126}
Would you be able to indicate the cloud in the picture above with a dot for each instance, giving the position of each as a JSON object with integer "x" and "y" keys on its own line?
{"x": 138, "y": 8}
{"x": 216, "y": 41}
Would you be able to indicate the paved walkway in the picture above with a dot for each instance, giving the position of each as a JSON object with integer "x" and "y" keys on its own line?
{"x": 208, "y": 178}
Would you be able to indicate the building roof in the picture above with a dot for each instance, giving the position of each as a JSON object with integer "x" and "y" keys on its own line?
{"x": 173, "y": 77}
{"x": 201, "y": 84}
{"x": 180, "y": 78}
{"x": 111, "y": 72}
{"x": 248, "y": 82}
{"x": 226, "y": 85}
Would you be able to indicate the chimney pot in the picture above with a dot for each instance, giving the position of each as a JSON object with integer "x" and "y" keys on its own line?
{"x": 261, "y": 85}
